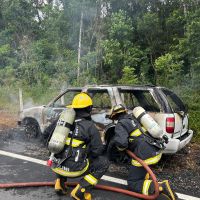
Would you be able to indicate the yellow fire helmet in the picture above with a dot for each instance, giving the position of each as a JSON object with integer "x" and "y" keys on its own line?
{"x": 116, "y": 110}
{"x": 81, "y": 100}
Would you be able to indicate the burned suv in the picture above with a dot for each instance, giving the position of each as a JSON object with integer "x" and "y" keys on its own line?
{"x": 161, "y": 103}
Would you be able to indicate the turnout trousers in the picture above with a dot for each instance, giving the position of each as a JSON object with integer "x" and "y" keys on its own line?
{"x": 96, "y": 169}
{"x": 138, "y": 178}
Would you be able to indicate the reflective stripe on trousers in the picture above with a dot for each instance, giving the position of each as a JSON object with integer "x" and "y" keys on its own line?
{"x": 149, "y": 161}
{"x": 65, "y": 173}
{"x": 91, "y": 179}
{"x": 146, "y": 186}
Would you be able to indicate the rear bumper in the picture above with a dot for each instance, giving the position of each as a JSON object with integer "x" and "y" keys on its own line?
{"x": 175, "y": 145}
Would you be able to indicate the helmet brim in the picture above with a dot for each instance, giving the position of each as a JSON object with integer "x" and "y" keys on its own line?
{"x": 69, "y": 106}
{"x": 115, "y": 113}
{"x": 78, "y": 106}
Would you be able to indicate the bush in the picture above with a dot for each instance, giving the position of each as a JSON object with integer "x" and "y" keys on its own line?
{"x": 195, "y": 125}
{"x": 191, "y": 97}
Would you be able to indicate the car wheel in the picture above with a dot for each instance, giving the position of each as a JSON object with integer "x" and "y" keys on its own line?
{"x": 31, "y": 128}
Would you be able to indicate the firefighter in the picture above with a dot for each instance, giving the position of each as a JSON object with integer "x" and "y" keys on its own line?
{"x": 129, "y": 134}
{"x": 82, "y": 154}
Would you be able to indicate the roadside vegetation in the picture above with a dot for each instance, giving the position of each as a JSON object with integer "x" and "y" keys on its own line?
{"x": 122, "y": 42}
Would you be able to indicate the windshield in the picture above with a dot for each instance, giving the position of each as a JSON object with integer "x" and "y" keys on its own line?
{"x": 65, "y": 99}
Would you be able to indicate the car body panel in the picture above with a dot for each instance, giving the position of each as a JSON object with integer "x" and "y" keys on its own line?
{"x": 34, "y": 113}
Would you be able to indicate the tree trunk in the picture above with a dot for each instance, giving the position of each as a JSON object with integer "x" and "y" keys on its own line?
{"x": 79, "y": 46}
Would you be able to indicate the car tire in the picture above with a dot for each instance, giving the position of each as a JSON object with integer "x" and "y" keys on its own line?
{"x": 31, "y": 128}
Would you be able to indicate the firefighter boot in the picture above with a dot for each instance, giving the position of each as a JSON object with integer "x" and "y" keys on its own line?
{"x": 60, "y": 187}
{"x": 166, "y": 192}
{"x": 79, "y": 193}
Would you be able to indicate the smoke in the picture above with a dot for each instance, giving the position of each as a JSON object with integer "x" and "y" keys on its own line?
{"x": 13, "y": 98}
{"x": 29, "y": 103}
{"x": 73, "y": 10}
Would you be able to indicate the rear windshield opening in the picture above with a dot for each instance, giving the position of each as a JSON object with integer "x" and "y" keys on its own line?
{"x": 175, "y": 102}
{"x": 143, "y": 98}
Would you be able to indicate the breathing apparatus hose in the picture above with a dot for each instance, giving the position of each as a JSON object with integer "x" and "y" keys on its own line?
{"x": 101, "y": 187}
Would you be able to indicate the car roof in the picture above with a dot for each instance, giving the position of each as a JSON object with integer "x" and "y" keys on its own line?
{"x": 86, "y": 87}
{"x": 104, "y": 87}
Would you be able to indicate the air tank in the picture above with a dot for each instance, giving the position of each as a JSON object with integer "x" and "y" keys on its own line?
{"x": 61, "y": 131}
{"x": 148, "y": 122}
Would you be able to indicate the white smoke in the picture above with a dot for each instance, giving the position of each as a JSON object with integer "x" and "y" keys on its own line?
{"x": 29, "y": 103}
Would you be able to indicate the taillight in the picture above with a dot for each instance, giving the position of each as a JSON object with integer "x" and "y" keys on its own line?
{"x": 170, "y": 124}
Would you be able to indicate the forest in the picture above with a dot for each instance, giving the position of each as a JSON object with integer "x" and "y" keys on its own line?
{"x": 48, "y": 45}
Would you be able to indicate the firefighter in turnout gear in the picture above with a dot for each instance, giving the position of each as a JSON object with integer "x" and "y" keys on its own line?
{"x": 129, "y": 134}
{"x": 82, "y": 154}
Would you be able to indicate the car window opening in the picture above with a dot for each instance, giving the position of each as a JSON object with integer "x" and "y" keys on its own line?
{"x": 65, "y": 99}
{"x": 101, "y": 101}
{"x": 143, "y": 98}
{"x": 174, "y": 101}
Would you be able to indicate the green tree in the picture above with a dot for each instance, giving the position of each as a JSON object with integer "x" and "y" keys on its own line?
{"x": 192, "y": 47}
{"x": 119, "y": 51}
{"x": 128, "y": 77}
{"x": 168, "y": 69}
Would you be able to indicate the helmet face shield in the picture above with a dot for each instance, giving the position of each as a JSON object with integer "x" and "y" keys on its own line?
{"x": 119, "y": 108}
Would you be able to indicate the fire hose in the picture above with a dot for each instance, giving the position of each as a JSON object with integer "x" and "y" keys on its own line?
{"x": 101, "y": 187}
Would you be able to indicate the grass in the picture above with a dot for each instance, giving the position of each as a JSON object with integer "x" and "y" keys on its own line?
{"x": 9, "y": 97}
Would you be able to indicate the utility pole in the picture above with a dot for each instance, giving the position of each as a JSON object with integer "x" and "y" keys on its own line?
{"x": 79, "y": 46}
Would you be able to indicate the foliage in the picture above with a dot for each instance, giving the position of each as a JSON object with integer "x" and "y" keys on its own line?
{"x": 128, "y": 77}
{"x": 192, "y": 98}
{"x": 121, "y": 26}
{"x": 168, "y": 70}
{"x": 127, "y": 41}
{"x": 194, "y": 124}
